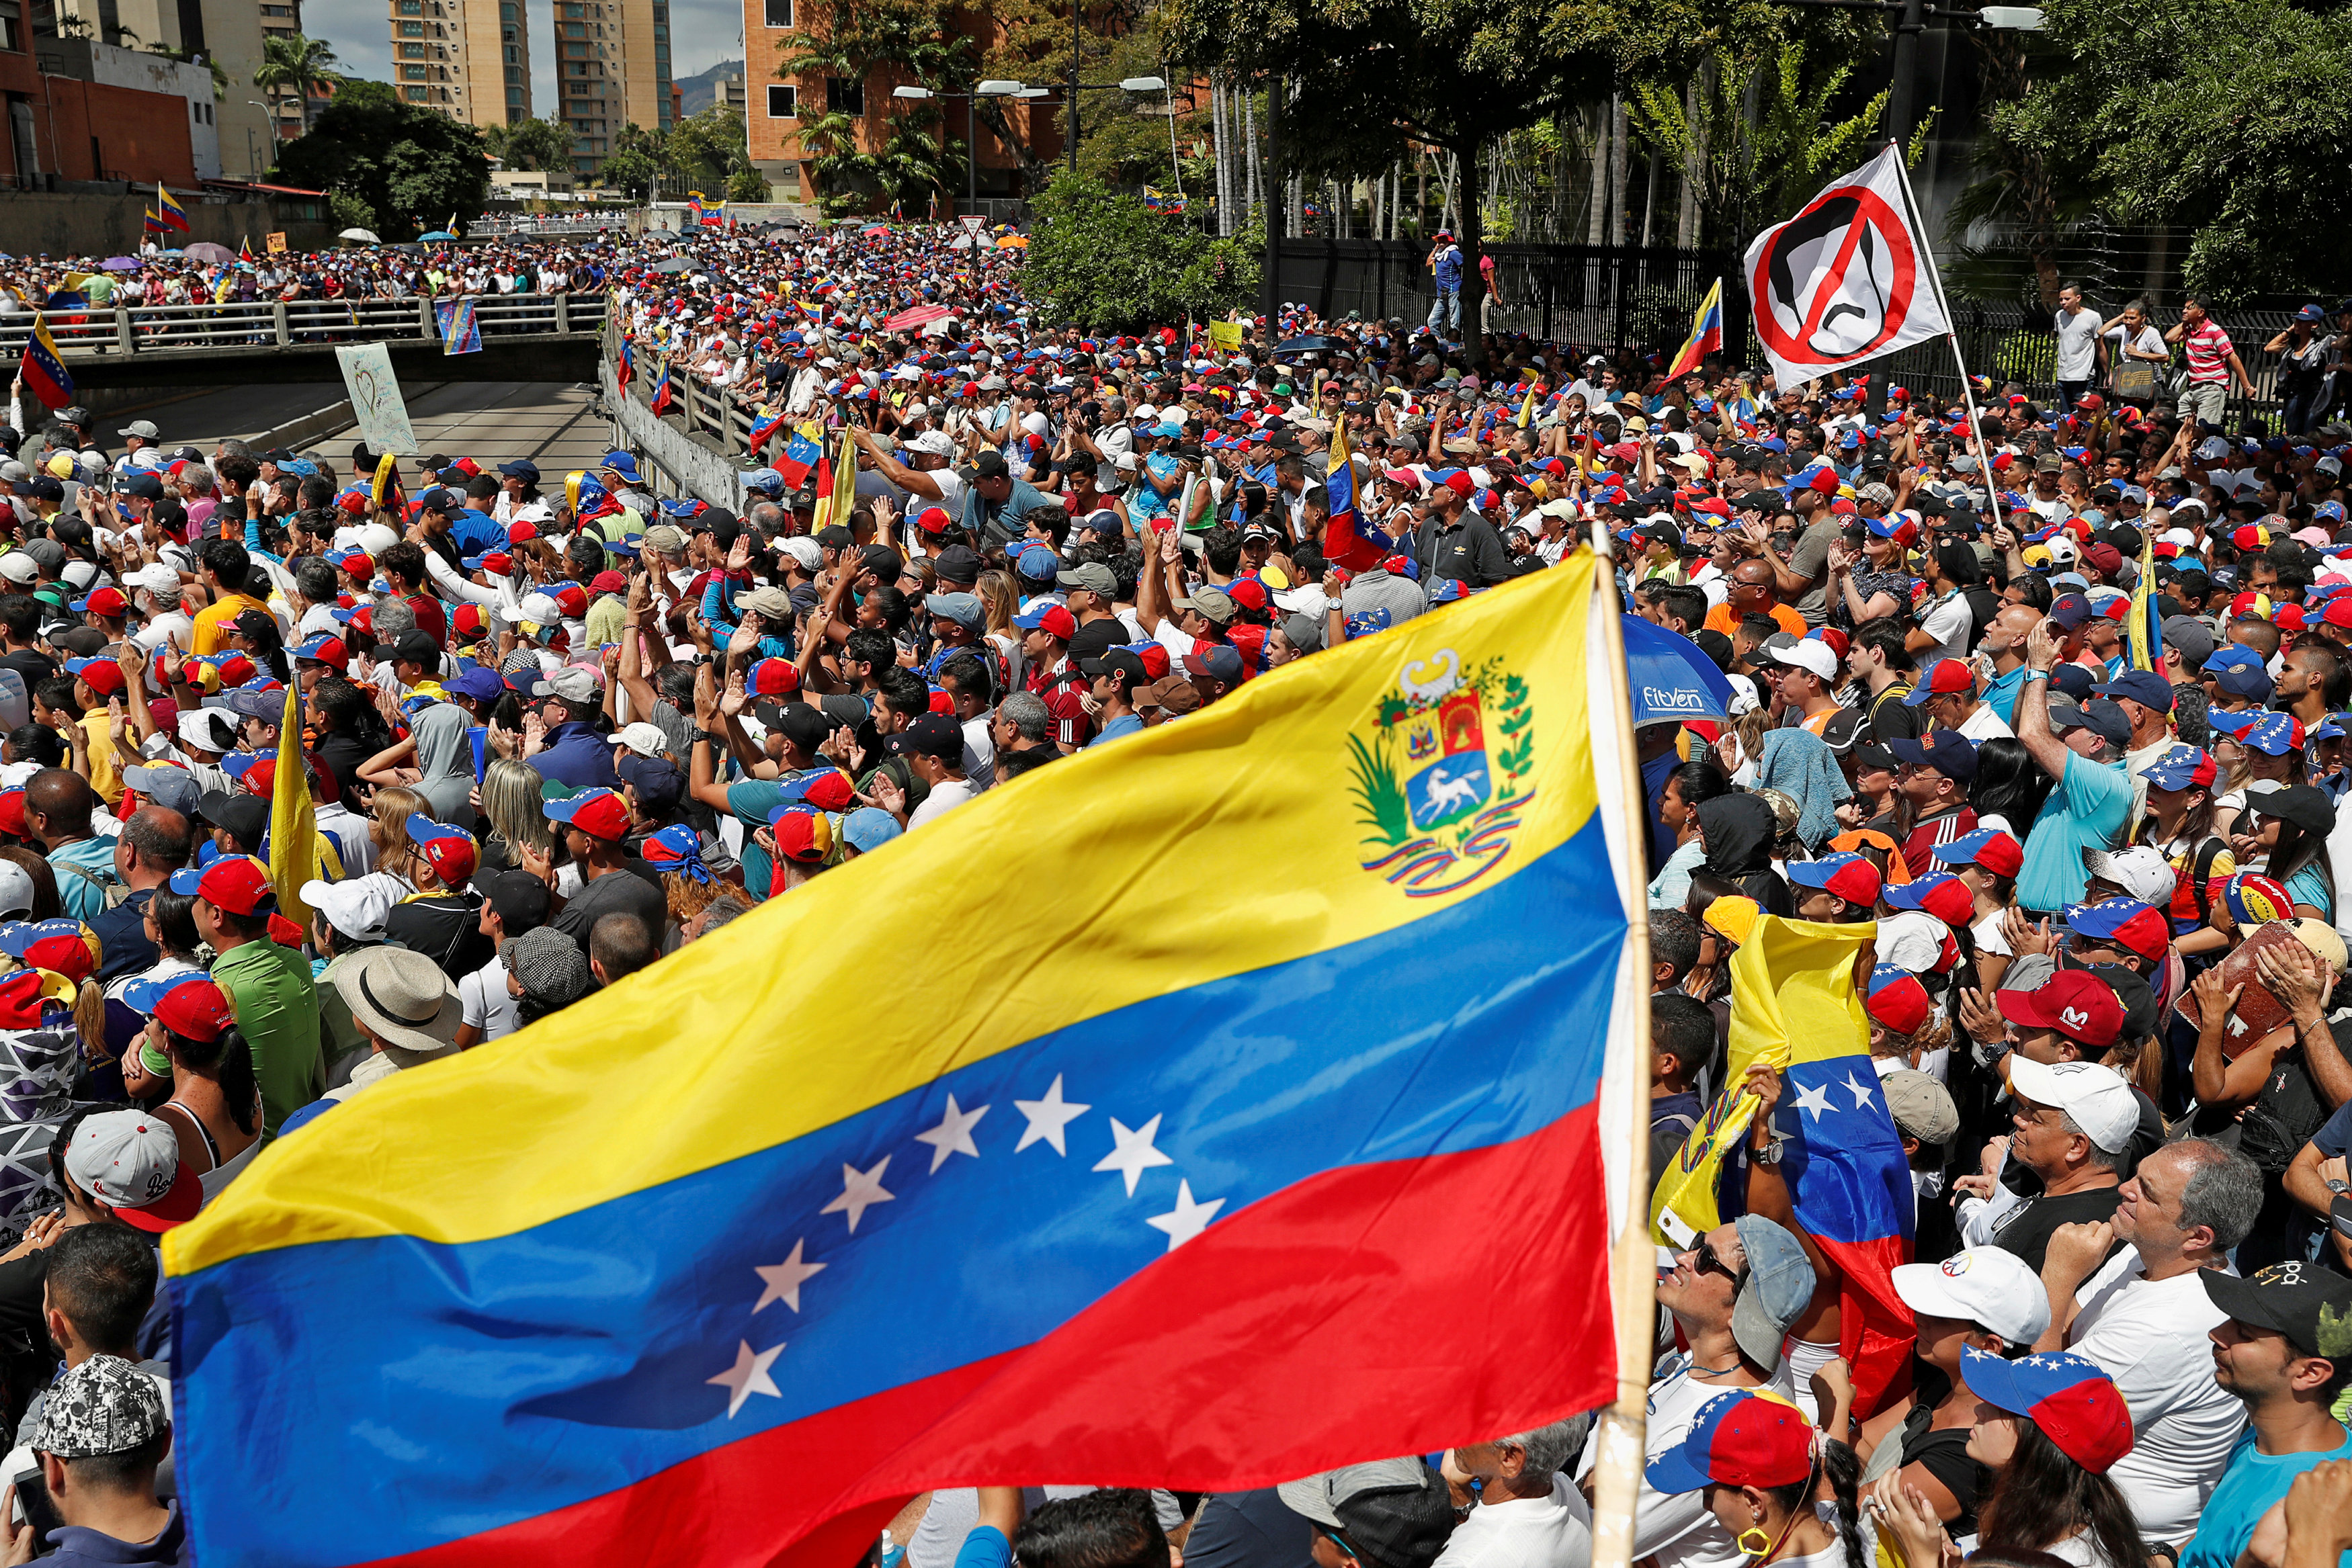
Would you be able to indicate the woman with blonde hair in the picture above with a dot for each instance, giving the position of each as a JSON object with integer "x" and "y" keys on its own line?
{"x": 1000, "y": 601}
{"x": 395, "y": 855}
{"x": 511, "y": 803}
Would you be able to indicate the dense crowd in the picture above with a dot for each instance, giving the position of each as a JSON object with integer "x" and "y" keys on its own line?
{"x": 553, "y": 727}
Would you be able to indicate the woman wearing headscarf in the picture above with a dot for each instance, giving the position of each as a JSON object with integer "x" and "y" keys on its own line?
{"x": 1739, "y": 832}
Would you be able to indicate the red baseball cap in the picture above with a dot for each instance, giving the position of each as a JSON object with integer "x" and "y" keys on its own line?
{"x": 2074, "y": 1002}
{"x": 238, "y": 883}
{"x": 449, "y": 850}
{"x": 599, "y": 813}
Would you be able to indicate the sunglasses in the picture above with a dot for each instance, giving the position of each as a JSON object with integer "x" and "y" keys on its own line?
{"x": 1704, "y": 1261}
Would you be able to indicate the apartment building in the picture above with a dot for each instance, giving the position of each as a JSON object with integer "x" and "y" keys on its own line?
{"x": 612, "y": 69}
{"x": 469, "y": 58}
{"x": 243, "y": 124}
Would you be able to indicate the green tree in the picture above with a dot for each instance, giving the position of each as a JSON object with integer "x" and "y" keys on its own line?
{"x": 185, "y": 56}
{"x": 747, "y": 185}
{"x": 708, "y": 149}
{"x": 2167, "y": 113}
{"x": 911, "y": 41}
{"x": 407, "y": 162}
{"x": 297, "y": 67}
{"x": 631, "y": 170}
{"x": 1105, "y": 262}
{"x": 542, "y": 144}
{"x": 1365, "y": 77}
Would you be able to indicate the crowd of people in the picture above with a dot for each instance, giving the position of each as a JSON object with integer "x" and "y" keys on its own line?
{"x": 554, "y": 727}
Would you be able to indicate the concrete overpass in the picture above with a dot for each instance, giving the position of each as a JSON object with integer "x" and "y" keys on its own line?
{"x": 525, "y": 338}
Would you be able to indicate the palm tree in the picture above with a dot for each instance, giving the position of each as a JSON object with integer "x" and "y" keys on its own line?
{"x": 299, "y": 65}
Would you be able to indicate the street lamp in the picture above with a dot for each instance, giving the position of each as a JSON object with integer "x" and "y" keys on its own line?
{"x": 992, "y": 88}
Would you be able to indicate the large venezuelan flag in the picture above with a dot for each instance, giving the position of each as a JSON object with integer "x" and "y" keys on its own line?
{"x": 1794, "y": 1004}
{"x": 1220, "y": 1100}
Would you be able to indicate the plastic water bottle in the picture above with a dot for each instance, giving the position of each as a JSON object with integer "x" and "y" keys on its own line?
{"x": 893, "y": 1554}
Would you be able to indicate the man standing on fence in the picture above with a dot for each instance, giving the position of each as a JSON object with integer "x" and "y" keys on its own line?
{"x": 2078, "y": 348}
{"x": 1445, "y": 273}
{"x": 2213, "y": 364}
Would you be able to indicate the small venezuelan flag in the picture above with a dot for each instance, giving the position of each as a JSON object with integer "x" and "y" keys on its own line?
{"x": 168, "y": 211}
{"x": 1706, "y": 334}
{"x": 44, "y": 367}
{"x": 1133, "y": 1168}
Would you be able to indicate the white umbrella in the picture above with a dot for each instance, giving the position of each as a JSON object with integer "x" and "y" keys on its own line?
{"x": 361, "y": 235}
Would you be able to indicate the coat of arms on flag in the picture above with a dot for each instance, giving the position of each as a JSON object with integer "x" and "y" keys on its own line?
{"x": 1442, "y": 782}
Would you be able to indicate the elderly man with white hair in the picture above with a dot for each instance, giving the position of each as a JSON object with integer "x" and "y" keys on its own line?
{"x": 1528, "y": 1514}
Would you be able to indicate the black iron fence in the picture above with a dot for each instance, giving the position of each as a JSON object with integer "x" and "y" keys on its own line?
{"x": 1598, "y": 298}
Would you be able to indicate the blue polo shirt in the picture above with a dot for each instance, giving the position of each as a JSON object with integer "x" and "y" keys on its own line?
{"x": 2090, "y": 809}
{"x": 578, "y": 757}
{"x": 2002, "y": 694}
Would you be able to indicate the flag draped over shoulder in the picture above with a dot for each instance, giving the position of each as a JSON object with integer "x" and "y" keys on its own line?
{"x": 1346, "y": 541}
{"x": 742, "y": 1252}
{"x": 1794, "y": 1006}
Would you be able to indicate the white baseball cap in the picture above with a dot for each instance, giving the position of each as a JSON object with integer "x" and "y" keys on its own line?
{"x": 357, "y": 907}
{"x": 1982, "y": 1285}
{"x": 2101, "y": 1103}
{"x": 1811, "y": 654}
{"x": 645, "y": 739}
{"x": 2141, "y": 870}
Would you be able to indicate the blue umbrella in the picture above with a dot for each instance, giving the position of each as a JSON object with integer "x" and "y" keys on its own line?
{"x": 1671, "y": 678}
{"x": 439, "y": 233}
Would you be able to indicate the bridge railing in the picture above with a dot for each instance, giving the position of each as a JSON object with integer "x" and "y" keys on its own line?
{"x": 285, "y": 324}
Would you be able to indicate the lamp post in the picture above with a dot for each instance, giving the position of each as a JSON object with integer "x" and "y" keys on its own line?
{"x": 990, "y": 88}
{"x": 1074, "y": 88}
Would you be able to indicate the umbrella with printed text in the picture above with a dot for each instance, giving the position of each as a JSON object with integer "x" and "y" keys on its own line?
{"x": 1672, "y": 677}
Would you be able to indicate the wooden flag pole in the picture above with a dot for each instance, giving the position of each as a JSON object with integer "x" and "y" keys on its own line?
{"x": 1951, "y": 334}
{"x": 1633, "y": 1258}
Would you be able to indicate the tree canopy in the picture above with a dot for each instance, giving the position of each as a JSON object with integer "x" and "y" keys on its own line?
{"x": 1105, "y": 262}
{"x": 394, "y": 168}
{"x": 2151, "y": 109}
{"x": 539, "y": 145}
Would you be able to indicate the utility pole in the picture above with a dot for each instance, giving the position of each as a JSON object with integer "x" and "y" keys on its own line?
{"x": 1076, "y": 10}
{"x": 1910, "y": 23}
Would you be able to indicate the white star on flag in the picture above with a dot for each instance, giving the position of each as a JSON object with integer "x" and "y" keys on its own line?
{"x": 784, "y": 1281}
{"x": 747, "y": 1376}
{"x": 1047, "y": 1117}
{"x": 953, "y": 1134}
{"x": 1816, "y": 1099}
{"x": 1133, "y": 1152}
{"x": 860, "y": 1190}
{"x": 1861, "y": 1095}
{"x": 1188, "y": 1218}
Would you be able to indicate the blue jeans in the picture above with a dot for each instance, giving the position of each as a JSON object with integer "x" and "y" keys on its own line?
{"x": 1445, "y": 311}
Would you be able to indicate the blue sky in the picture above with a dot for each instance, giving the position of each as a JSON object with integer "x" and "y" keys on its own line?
{"x": 703, "y": 33}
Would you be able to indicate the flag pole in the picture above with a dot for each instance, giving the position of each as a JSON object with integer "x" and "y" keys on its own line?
{"x": 1951, "y": 334}
{"x": 1633, "y": 1258}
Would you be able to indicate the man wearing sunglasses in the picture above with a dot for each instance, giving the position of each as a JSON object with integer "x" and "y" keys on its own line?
{"x": 1733, "y": 1294}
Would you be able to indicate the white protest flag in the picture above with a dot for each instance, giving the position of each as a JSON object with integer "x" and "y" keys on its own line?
{"x": 1849, "y": 278}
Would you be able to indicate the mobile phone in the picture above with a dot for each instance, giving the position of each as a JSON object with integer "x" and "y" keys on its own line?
{"x": 34, "y": 1501}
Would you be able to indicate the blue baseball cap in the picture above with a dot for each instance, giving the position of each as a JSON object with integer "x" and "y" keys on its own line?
{"x": 2274, "y": 734}
{"x": 2232, "y": 655}
{"x": 2143, "y": 687}
{"x": 2251, "y": 680}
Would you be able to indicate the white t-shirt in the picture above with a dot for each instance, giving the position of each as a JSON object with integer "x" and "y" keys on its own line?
{"x": 2150, "y": 1335}
{"x": 2078, "y": 345}
{"x": 1948, "y": 623}
{"x": 979, "y": 753}
{"x": 945, "y": 796}
{"x": 1679, "y": 1530}
{"x": 1553, "y": 1532}
{"x": 486, "y": 1003}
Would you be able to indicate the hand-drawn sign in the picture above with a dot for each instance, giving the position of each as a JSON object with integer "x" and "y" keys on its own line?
{"x": 376, "y": 402}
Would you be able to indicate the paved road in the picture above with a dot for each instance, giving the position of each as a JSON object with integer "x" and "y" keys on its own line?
{"x": 553, "y": 423}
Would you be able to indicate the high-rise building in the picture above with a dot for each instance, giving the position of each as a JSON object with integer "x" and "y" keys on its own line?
{"x": 469, "y": 58}
{"x": 612, "y": 64}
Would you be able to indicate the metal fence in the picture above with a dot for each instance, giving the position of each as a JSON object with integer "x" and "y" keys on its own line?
{"x": 166, "y": 329}
{"x": 1598, "y": 298}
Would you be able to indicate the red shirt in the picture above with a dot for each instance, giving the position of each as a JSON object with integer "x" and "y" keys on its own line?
{"x": 1936, "y": 830}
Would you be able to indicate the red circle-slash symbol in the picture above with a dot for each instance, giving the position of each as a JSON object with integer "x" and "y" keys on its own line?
{"x": 1835, "y": 281}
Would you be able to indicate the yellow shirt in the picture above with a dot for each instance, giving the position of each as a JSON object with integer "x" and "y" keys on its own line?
{"x": 97, "y": 735}
{"x": 207, "y": 637}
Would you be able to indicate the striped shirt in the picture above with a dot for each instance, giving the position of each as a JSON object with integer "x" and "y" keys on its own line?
{"x": 2209, "y": 353}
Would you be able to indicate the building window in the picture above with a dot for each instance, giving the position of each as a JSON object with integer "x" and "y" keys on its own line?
{"x": 416, "y": 95}
{"x": 412, "y": 51}
{"x": 414, "y": 73}
{"x": 780, "y": 103}
{"x": 843, "y": 96}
